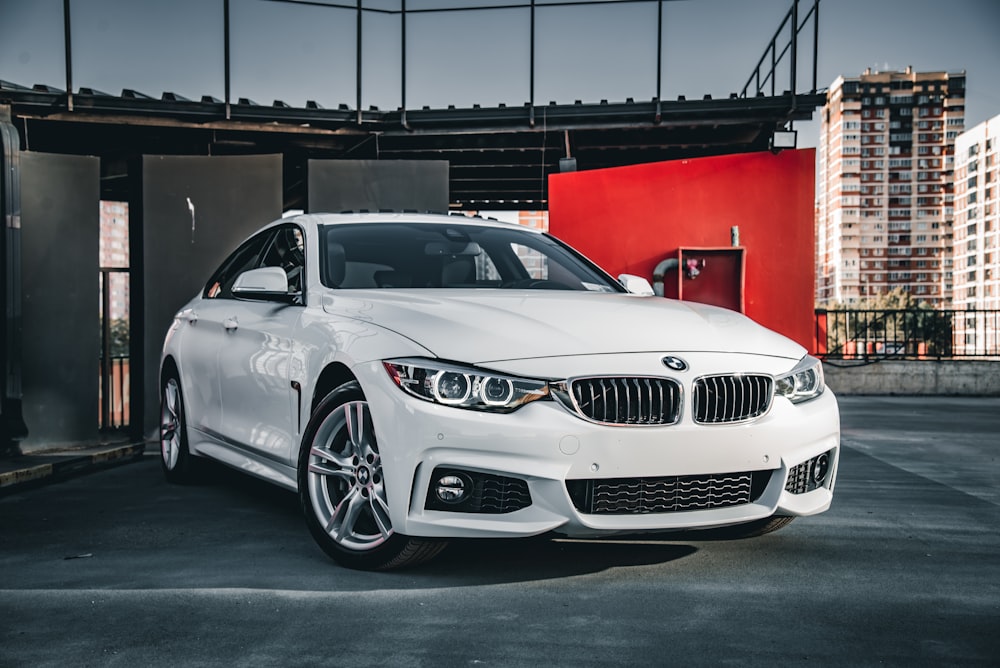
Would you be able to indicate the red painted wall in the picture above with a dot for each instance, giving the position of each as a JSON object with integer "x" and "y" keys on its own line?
{"x": 628, "y": 219}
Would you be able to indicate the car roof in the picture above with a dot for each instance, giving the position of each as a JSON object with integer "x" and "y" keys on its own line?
{"x": 352, "y": 217}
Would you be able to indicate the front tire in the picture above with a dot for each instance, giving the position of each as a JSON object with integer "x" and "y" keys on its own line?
{"x": 342, "y": 490}
{"x": 752, "y": 529}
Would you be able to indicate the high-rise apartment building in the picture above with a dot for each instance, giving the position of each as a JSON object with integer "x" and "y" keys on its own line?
{"x": 977, "y": 237}
{"x": 114, "y": 256}
{"x": 977, "y": 217}
{"x": 885, "y": 196}
{"x": 537, "y": 219}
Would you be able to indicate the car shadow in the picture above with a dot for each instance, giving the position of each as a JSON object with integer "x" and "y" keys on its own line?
{"x": 260, "y": 492}
{"x": 464, "y": 562}
{"x": 503, "y": 560}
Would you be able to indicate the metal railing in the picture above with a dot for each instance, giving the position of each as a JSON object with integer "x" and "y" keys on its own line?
{"x": 785, "y": 43}
{"x": 863, "y": 334}
{"x": 782, "y": 51}
{"x": 115, "y": 381}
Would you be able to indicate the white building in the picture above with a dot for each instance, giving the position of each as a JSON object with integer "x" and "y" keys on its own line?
{"x": 977, "y": 234}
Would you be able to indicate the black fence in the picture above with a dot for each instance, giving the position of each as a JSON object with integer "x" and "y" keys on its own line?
{"x": 907, "y": 334}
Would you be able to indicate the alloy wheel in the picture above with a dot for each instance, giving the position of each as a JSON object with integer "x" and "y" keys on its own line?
{"x": 171, "y": 424}
{"x": 346, "y": 488}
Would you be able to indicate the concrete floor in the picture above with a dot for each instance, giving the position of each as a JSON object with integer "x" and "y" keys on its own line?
{"x": 118, "y": 568}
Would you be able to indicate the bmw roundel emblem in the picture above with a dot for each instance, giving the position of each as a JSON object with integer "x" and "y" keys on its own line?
{"x": 675, "y": 363}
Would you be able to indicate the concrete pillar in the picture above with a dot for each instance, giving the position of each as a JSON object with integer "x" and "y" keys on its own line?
{"x": 12, "y": 427}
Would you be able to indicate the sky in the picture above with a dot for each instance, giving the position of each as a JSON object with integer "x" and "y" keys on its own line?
{"x": 296, "y": 52}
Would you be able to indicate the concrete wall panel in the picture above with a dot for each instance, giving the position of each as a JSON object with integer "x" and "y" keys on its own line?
{"x": 195, "y": 211}
{"x": 60, "y": 236}
{"x": 394, "y": 185}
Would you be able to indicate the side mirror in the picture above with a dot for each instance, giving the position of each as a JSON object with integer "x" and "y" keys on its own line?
{"x": 268, "y": 284}
{"x": 637, "y": 285}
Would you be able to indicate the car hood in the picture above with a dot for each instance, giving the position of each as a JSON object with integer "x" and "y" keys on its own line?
{"x": 482, "y": 326}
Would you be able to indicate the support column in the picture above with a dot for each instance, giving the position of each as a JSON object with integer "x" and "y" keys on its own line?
{"x": 12, "y": 427}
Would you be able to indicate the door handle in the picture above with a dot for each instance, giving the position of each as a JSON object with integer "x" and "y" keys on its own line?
{"x": 231, "y": 323}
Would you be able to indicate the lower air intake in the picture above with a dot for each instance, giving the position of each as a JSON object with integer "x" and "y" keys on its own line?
{"x": 809, "y": 475}
{"x": 666, "y": 494}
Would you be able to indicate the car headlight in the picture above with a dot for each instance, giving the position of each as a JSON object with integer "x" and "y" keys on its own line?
{"x": 464, "y": 387}
{"x": 802, "y": 383}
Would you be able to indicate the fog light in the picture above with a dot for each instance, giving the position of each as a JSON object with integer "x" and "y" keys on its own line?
{"x": 451, "y": 489}
{"x": 821, "y": 467}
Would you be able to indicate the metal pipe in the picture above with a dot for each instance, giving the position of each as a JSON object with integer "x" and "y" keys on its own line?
{"x": 659, "y": 48}
{"x": 68, "y": 46}
{"x": 226, "y": 57}
{"x": 815, "y": 43}
{"x": 793, "y": 65}
{"x": 531, "y": 66}
{"x": 774, "y": 66}
{"x": 660, "y": 271}
{"x": 357, "y": 74}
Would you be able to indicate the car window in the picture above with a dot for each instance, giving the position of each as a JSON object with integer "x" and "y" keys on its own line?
{"x": 287, "y": 251}
{"x": 535, "y": 263}
{"x": 428, "y": 255}
{"x": 245, "y": 257}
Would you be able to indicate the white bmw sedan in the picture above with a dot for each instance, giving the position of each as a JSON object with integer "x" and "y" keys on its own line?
{"x": 417, "y": 378}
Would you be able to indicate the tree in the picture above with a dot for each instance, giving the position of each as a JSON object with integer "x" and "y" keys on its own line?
{"x": 119, "y": 343}
{"x": 891, "y": 324}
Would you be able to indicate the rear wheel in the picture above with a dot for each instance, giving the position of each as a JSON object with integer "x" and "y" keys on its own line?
{"x": 342, "y": 489}
{"x": 177, "y": 461}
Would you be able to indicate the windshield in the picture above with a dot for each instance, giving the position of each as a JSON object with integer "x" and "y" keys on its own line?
{"x": 434, "y": 255}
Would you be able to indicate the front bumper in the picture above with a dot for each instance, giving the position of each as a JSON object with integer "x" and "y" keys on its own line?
{"x": 544, "y": 445}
